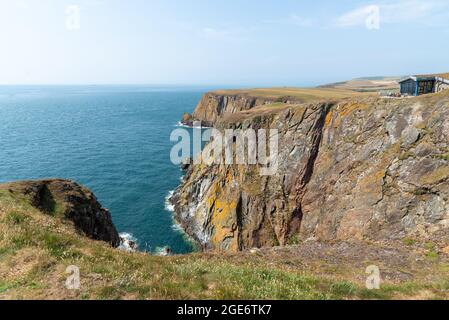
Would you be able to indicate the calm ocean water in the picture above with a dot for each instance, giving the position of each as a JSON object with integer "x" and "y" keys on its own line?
{"x": 112, "y": 139}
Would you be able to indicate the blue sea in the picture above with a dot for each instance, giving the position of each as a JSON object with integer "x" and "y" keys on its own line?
{"x": 113, "y": 139}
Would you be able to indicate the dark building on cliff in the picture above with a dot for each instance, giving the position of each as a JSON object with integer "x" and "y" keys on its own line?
{"x": 418, "y": 85}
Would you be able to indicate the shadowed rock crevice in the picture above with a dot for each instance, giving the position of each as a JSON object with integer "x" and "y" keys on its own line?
{"x": 297, "y": 215}
{"x": 43, "y": 199}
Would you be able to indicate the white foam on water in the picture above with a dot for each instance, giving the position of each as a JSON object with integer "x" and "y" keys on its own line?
{"x": 168, "y": 205}
{"x": 182, "y": 125}
{"x": 128, "y": 242}
{"x": 162, "y": 251}
{"x": 177, "y": 227}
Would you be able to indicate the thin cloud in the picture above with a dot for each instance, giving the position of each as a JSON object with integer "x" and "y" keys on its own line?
{"x": 354, "y": 18}
{"x": 292, "y": 19}
{"x": 417, "y": 11}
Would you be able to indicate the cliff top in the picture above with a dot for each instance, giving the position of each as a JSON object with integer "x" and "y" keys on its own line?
{"x": 338, "y": 90}
{"x": 36, "y": 247}
{"x": 356, "y": 97}
{"x": 299, "y": 94}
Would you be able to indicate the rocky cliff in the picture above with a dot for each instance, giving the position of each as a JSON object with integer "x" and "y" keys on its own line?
{"x": 356, "y": 168}
{"x": 68, "y": 200}
{"x": 213, "y": 106}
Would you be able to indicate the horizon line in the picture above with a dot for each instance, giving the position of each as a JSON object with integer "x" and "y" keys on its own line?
{"x": 157, "y": 85}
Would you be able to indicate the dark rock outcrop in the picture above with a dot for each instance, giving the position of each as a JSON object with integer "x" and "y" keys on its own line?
{"x": 68, "y": 200}
{"x": 187, "y": 120}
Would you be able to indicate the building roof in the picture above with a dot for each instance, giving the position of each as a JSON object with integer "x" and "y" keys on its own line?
{"x": 437, "y": 76}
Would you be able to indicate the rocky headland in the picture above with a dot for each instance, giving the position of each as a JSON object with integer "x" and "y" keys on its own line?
{"x": 350, "y": 168}
{"x": 67, "y": 200}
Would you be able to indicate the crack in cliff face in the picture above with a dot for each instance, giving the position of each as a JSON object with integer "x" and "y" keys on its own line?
{"x": 319, "y": 126}
{"x": 238, "y": 211}
{"x": 298, "y": 214}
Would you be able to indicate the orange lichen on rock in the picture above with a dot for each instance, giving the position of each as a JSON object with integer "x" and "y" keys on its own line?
{"x": 349, "y": 108}
{"x": 223, "y": 223}
{"x": 328, "y": 119}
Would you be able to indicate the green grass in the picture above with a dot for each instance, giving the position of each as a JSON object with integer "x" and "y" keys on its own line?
{"x": 343, "y": 288}
{"x": 432, "y": 255}
{"x": 298, "y": 94}
{"x": 444, "y": 156}
{"x": 57, "y": 245}
{"x": 109, "y": 293}
{"x": 14, "y": 217}
{"x": 5, "y": 286}
{"x": 23, "y": 239}
{"x": 409, "y": 241}
{"x": 36, "y": 249}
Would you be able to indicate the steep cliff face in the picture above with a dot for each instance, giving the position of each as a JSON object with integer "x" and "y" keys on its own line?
{"x": 213, "y": 106}
{"x": 382, "y": 171}
{"x": 367, "y": 168}
{"x": 68, "y": 200}
{"x": 234, "y": 207}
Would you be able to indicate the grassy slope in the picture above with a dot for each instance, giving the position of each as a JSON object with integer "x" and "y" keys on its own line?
{"x": 35, "y": 250}
{"x": 300, "y": 94}
{"x": 367, "y": 85}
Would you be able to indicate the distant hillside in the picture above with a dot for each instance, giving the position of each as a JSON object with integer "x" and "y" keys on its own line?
{"x": 366, "y": 84}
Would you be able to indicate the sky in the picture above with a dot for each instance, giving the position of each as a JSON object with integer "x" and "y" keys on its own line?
{"x": 219, "y": 42}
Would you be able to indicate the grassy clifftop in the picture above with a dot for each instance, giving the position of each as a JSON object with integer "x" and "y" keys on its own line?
{"x": 297, "y": 94}
{"x": 36, "y": 247}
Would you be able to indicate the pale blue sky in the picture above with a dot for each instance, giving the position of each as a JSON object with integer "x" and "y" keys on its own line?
{"x": 219, "y": 42}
